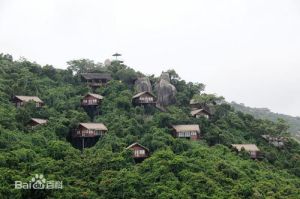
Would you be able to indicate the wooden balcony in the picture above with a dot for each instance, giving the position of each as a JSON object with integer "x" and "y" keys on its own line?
{"x": 137, "y": 153}
{"x": 140, "y": 156}
{"x": 89, "y": 103}
{"x": 96, "y": 84}
{"x": 146, "y": 102}
{"x": 142, "y": 102}
{"x": 88, "y": 134}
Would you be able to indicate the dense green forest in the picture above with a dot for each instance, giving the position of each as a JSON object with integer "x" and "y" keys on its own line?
{"x": 265, "y": 113}
{"x": 177, "y": 168}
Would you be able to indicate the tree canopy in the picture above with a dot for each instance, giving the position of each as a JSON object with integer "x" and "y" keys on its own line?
{"x": 176, "y": 168}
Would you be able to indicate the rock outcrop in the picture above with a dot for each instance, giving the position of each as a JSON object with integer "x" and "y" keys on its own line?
{"x": 165, "y": 76}
{"x": 143, "y": 84}
{"x": 107, "y": 62}
{"x": 166, "y": 92}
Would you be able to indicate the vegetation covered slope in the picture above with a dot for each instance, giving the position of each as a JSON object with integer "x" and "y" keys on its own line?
{"x": 177, "y": 168}
{"x": 264, "y": 113}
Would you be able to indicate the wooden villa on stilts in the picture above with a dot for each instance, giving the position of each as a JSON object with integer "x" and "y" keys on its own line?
{"x": 188, "y": 131}
{"x": 22, "y": 100}
{"x": 195, "y": 105}
{"x": 91, "y": 99}
{"x": 88, "y": 134}
{"x": 198, "y": 113}
{"x": 140, "y": 152}
{"x": 91, "y": 102}
{"x": 34, "y": 122}
{"x": 95, "y": 80}
{"x": 144, "y": 98}
{"x": 209, "y": 108}
{"x": 252, "y": 149}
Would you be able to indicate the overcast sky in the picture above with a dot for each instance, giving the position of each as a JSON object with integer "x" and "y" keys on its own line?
{"x": 246, "y": 51}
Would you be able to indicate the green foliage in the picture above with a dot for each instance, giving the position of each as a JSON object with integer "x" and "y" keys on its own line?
{"x": 127, "y": 76}
{"x": 177, "y": 168}
{"x": 84, "y": 66}
{"x": 207, "y": 99}
{"x": 264, "y": 113}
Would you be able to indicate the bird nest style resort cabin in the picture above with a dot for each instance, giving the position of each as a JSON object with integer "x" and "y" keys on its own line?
{"x": 144, "y": 98}
{"x": 34, "y": 122}
{"x": 188, "y": 131}
{"x": 195, "y": 105}
{"x": 140, "y": 152}
{"x": 90, "y": 130}
{"x": 198, "y": 113}
{"x": 87, "y": 134}
{"x": 91, "y": 99}
{"x": 252, "y": 149}
{"x": 22, "y": 100}
{"x": 91, "y": 102}
{"x": 95, "y": 80}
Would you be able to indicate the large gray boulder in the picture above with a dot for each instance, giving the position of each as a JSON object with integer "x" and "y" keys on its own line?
{"x": 107, "y": 62}
{"x": 143, "y": 84}
{"x": 166, "y": 92}
{"x": 165, "y": 76}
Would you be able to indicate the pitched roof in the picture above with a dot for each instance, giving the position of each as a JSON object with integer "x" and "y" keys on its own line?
{"x": 97, "y": 96}
{"x": 195, "y": 112}
{"x": 96, "y": 76}
{"x": 134, "y": 144}
{"x": 94, "y": 126}
{"x": 187, "y": 127}
{"x": 142, "y": 93}
{"x": 247, "y": 147}
{"x": 39, "y": 121}
{"x": 29, "y": 98}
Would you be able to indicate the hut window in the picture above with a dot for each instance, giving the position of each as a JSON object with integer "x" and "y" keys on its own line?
{"x": 142, "y": 152}
{"x": 180, "y": 134}
{"x": 139, "y": 152}
{"x": 187, "y": 134}
{"x": 146, "y": 99}
{"x": 84, "y": 132}
{"x": 193, "y": 133}
{"x": 98, "y": 132}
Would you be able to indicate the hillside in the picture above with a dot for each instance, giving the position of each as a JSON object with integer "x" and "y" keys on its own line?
{"x": 176, "y": 168}
{"x": 264, "y": 113}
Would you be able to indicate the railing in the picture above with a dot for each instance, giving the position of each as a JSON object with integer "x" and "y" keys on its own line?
{"x": 146, "y": 102}
{"x": 88, "y": 134}
{"x": 94, "y": 84}
{"x": 89, "y": 103}
{"x": 139, "y": 154}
